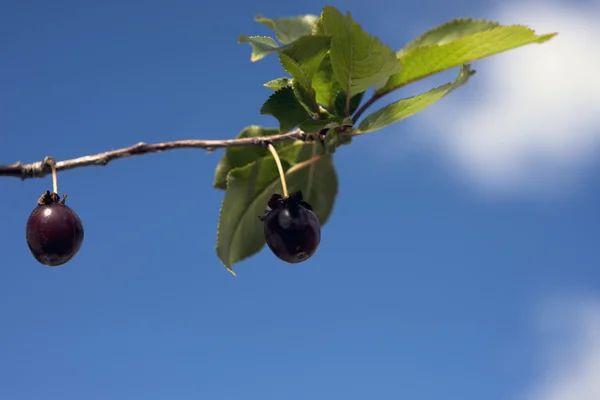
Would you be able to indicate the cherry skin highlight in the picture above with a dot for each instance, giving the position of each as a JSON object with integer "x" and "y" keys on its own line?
{"x": 291, "y": 228}
{"x": 54, "y": 231}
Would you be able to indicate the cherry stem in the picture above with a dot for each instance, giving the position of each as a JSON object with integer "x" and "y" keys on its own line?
{"x": 280, "y": 168}
{"x": 50, "y": 161}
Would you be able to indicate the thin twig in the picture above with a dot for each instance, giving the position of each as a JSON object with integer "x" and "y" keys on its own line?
{"x": 41, "y": 169}
{"x": 366, "y": 105}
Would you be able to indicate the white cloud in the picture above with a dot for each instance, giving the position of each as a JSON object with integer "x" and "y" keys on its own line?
{"x": 570, "y": 344}
{"x": 530, "y": 118}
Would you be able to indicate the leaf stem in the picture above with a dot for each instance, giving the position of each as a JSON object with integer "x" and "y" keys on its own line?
{"x": 280, "y": 168}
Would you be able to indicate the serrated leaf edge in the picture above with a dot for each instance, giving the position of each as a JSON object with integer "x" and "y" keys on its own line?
{"x": 445, "y": 24}
{"x": 539, "y": 39}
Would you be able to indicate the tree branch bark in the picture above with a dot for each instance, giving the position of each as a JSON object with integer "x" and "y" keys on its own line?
{"x": 41, "y": 169}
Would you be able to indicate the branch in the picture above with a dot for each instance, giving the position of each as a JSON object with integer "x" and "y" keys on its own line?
{"x": 41, "y": 168}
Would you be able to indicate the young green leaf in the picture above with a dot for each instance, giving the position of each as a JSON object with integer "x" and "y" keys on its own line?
{"x": 278, "y": 83}
{"x": 284, "y": 106}
{"x": 302, "y": 58}
{"x": 407, "y": 107}
{"x": 235, "y": 157}
{"x": 421, "y": 62}
{"x": 306, "y": 97}
{"x": 324, "y": 83}
{"x": 240, "y": 232}
{"x": 289, "y": 29}
{"x": 448, "y": 32}
{"x": 358, "y": 59}
{"x": 261, "y": 46}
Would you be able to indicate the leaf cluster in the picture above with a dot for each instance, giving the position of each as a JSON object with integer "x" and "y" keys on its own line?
{"x": 330, "y": 63}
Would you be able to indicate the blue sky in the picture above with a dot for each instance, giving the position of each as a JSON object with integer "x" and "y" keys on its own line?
{"x": 447, "y": 270}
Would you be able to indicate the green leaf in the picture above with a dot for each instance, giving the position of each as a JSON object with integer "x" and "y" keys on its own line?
{"x": 340, "y": 103}
{"x": 318, "y": 28}
{"x": 407, "y": 107}
{"x": 278, "y": 83}
{"x": 332, "y": 141}
{"x": 240, "y": 232}
{"x": 289, "y": 29}
{"x": 235, "y": 157}
{"x": 284, "y": 106}
{"x": 421, "y": 62}
{"x": 302, "y": 58}
{"x": 358, "y": 59}
{"x": 307, "y": 50}
{"x": 261, "y": 46}
{"x": 324, "y": 83}
{"x": 448, "y": 32}
{"x": 305, "y": 97}
{"x": 317, "y": 181}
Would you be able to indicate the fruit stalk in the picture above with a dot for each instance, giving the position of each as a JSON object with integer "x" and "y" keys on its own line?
{"x": 280, "y": 168}
{"x": 50, "y": 161}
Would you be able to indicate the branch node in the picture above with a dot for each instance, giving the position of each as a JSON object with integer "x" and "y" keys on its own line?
{"x": 265, "y": 144}
{"x": 46, "y": 166}
{"x": 139, "y": 148}
{"x": 306, "y": 137}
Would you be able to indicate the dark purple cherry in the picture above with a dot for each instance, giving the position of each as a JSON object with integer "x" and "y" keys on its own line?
{"x": 292, "y": 230}
{"x": 54, "y": 231}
